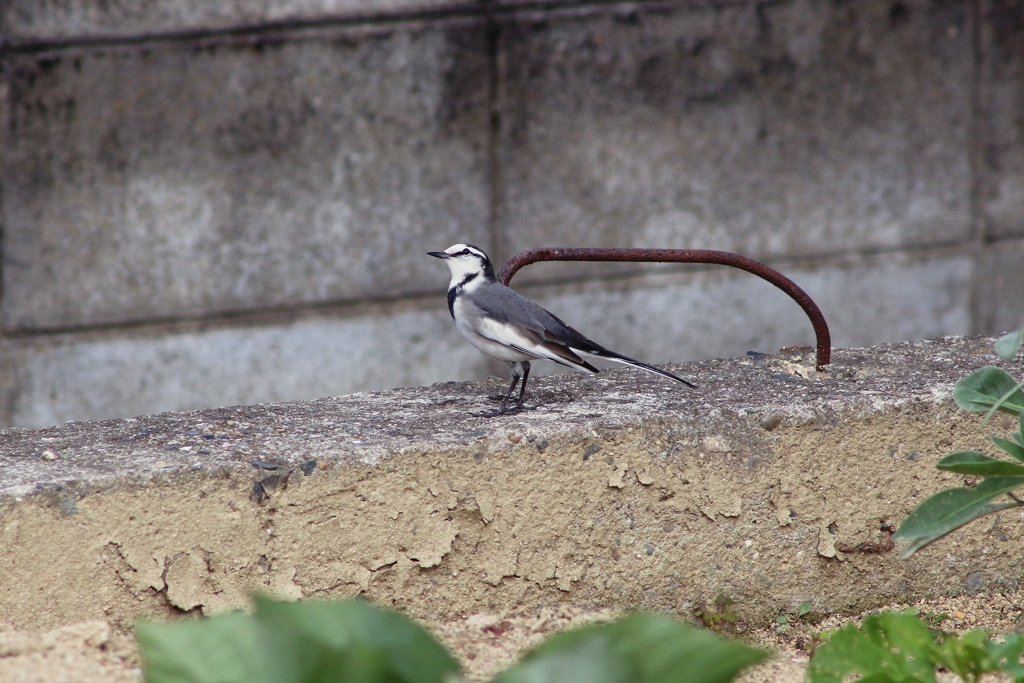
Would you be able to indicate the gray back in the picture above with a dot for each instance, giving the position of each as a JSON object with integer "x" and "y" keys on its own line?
{"x": 507, "y": 306}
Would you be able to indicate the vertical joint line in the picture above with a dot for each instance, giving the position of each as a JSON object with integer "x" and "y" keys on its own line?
{"x": 492, "y": 29}
{"x": 976, "y": 136}
{"x": 498, "y": 245}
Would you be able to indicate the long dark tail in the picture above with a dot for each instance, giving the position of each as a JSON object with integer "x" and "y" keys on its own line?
{"x": 580, "y": 344}
{"x": 626, "y": 360}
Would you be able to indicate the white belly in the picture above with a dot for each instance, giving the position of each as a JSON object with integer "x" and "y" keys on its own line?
{"x": 464, "y": 321}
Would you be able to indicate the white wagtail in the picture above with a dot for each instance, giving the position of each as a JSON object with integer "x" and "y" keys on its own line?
{"x": 507, "y": 326}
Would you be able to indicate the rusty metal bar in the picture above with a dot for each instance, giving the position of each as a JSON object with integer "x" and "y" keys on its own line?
{"x": 723, "y": 258}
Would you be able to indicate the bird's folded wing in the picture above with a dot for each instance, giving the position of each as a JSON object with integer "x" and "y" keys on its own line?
{"x": 531, "y": 342}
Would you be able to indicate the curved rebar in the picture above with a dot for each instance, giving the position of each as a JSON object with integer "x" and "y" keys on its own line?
{"x": 723, "y": 258}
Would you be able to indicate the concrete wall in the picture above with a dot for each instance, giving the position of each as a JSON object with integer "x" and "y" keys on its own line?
{"x": 217, "y": 203}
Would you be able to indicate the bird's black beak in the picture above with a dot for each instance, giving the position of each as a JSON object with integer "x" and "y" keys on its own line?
{"x": 437, "y": 254}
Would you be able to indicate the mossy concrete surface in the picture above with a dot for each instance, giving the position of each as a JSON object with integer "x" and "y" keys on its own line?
{"x": 771, "y": 485}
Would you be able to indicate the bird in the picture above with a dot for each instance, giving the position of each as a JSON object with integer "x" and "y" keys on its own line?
{"x": 504, "y": 325}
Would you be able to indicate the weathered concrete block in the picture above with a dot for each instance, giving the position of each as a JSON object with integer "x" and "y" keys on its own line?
{"x": 999, "y": 286}
{"x": 723, "y": 313}
{"x": 788, "y": 128}
{"x": 180, "y": 179}
{"x": 56, "y": 20}
{"x": 1002, "y": 104}
{"x": 764, "y": 485}
{"x": 95, "y": 377}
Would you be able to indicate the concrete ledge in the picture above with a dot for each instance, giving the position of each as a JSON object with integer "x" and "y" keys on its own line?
{"x": 771, "y": 484}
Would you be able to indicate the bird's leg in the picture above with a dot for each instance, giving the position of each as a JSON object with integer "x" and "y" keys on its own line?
{"x": 516, "y": 374}
{"x": 526, "y": 375}
{"x": 520, "y": 370}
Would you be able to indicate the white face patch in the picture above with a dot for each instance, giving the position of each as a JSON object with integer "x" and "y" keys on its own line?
{"x": 465, "y": 260}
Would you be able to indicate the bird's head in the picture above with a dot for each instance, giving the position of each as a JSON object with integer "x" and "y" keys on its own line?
{"x": 465, "y": 261}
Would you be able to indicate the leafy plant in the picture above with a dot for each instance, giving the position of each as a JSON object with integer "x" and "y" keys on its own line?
{"x": 720, "y": 616}
{"x": 1008, "y": 345}
{"x": 988, "y": 390}
{"x": 784, "y": 621}
{"x": 894, "y": 647}
{"x": 308, "y": 642}
{"x": 934, "y": 619}
{"x": 353, "y": 641}
{"x": 641, "y": 648}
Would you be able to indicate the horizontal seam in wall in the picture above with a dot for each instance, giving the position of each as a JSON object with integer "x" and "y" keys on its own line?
{"x": 1010, "y": 236}
{"x": 350, "y": 308}
{"x": 476, "y": 10}
{"x": 256, "y": 316}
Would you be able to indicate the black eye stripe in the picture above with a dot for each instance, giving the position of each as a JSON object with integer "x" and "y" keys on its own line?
{"x": 467, "y": 251}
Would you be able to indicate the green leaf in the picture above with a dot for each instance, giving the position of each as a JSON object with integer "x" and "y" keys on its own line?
{"x": 966, "y": 656}
{"x": 1007, "y": 654}
{"x": 979, "y": 464}
{"x": 1011, "y": 447}
{"x": 305, "y": 642}
{"x": 1009, "y": 400}
{"x": 226, "y": 649}
{"x": 803, "y": 609}
{"x": 949, "y": 510}
{"x": 642, "y": 648}
{"x": 1008, "y": 345}
{"x": 898, "y": 648}
{"x": 975, "y": 654}
{"x": 888, "y": 647}
{"x": 590, "y": 659}
{"x": 353, "y": 625}
{"x": 987, "y": 388}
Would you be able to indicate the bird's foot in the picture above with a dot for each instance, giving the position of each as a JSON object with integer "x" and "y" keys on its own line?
{"x": 511, "y": 410}
{"x": 496, "y": 413}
